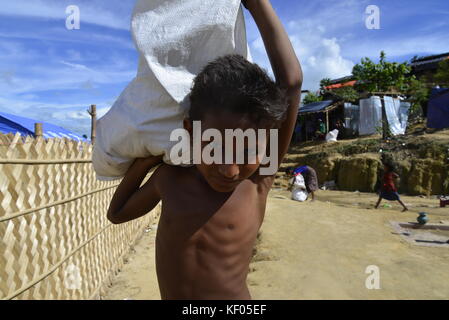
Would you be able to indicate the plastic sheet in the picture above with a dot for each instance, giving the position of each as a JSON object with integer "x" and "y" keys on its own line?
{"x": 438, "y": 111}
{"x": 352, "y": 117}
{"x": 397, "y": 115}
{"x": 370, "y": 116}
{"x": 391, "y": 111}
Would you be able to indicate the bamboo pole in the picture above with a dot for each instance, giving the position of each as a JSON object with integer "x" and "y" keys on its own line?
{"x": 93, "y": 114}
{"x": 38, "y": 133}
{"x": 384, "y": 120}
{"x": 43, "y": 161}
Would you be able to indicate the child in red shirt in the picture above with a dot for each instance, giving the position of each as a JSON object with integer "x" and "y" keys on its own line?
{"x": 388, "y": 190}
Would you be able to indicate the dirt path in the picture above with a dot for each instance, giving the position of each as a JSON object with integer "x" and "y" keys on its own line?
{"x": 321, "y": 250}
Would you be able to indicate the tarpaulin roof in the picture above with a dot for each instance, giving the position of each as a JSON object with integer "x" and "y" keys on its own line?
{"x": 315, "y": 107}
{"x": 438, "y": 109}
{"x": 341, "y": 85}
{"x": 10, "y": 123}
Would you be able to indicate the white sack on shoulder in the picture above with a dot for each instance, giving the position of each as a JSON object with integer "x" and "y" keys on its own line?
{"x": 175, "y": 40}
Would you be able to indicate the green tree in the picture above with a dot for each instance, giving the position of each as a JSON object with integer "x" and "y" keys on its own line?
{"x": 442, "y": 75}
{"x": 381, "y": 77}
{"x": 324, "y": 83}
{"x": 347, "y": 94}
{"x": 418, "y": 93}
{"x": 311, "y": 97}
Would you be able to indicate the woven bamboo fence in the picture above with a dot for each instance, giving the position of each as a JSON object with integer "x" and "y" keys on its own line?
{"x": 55, "y": 239}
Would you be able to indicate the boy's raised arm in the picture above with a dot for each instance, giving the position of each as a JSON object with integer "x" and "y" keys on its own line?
{"x": 131, "y": 202}
{"x": 283, "y": 60}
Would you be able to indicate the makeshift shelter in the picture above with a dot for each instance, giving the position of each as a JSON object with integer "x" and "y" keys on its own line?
{"x": 438, "y": 109}
{"x": 10, "y": 123}
{"x": 370, "y": 115}
{"x": 311, "y": 114}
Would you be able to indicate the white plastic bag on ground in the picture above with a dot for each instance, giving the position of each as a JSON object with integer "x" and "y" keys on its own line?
{"x": 299, "y": 191}
{"x": 175, "y": 40}
{"x": 332, "y": 136}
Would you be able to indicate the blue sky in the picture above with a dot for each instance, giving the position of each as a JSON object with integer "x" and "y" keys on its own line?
{"x": 53, "y": 74}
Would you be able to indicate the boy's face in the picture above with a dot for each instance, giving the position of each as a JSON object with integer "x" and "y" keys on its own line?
{"x": 227, "y": 175}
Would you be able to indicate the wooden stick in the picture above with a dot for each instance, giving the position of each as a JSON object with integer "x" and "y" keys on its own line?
{"x": 93, "y": 114}
{"x": 38, "y": 130}
{"x": 43, "y": 161}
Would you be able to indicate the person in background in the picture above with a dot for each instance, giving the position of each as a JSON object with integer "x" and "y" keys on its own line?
{"x": 388, "y": 190}
{"x": 321, "y": 133}
{"x": 340, "y": 126}
{"x": 310, "y": 178}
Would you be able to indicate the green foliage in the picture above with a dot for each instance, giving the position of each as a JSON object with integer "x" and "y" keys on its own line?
{"x": 311, "y": 97}
{"x": 442, "y": 75}
{"x": 418, "y": 93}
{"x": 347, "y": 94}
{"x": 381, "y": 77}
{"x": 324, "y": 83}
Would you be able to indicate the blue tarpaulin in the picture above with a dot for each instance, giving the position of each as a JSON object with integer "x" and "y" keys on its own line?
{"x": 10, "y": 123}
{"x": 438, "y": 109}
{"x": 315, "y": 107}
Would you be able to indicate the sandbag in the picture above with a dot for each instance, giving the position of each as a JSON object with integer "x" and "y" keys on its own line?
{"x": 175, "y": 40}
{"x": 299, "y": 190}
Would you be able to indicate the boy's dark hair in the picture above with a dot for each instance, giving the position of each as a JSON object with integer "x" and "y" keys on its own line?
{"x": 231, "y": 83}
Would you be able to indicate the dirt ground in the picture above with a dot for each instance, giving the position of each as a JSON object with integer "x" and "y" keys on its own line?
{"x": 321, "y": 250}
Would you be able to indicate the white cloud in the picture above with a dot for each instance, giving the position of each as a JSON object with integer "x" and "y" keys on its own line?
{"x": 73, "y": 117}
{"x": 320, "y": 56}
{"x": 399, "y": 46}
{"x": 47, "y": 71}
{"x": 76, "y": 66}
{"x": 92, "y": 12}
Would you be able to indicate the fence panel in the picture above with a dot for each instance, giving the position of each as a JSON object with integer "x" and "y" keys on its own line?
{"x": 55, "y": 239}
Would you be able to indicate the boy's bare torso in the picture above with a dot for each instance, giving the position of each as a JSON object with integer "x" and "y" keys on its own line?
{"x": 205, "y": 238}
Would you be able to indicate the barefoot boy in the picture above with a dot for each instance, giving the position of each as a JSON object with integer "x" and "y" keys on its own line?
{"x": 211, "y": 213}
